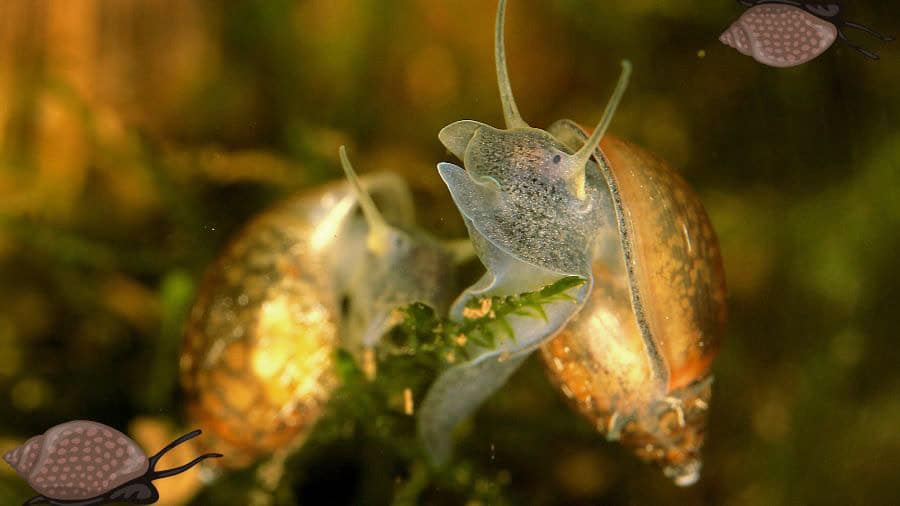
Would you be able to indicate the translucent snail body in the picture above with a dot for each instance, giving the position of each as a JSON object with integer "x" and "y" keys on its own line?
{"x": 301, "y": 279}
{"x": 635, "y": 340}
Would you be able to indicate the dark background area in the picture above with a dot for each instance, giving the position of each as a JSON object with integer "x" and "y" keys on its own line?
{"x": 136, "y": 136}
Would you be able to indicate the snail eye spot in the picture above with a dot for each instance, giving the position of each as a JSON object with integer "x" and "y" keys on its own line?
{"x": 557, "y": 159}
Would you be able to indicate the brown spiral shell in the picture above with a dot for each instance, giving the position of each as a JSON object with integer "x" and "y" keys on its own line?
{"x": 78, "y": 460}
{"x": 256, "y": 364}
{"x": 780, "y": 35}
{"x": 652, "y": 400}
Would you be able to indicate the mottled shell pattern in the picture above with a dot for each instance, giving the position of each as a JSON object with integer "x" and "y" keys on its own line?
{"x": 780, "y": 35}
{"x": 786, "y": 33}
{"x": 636, "y": 339}
{"x": 299, "y": 280}
{"x": 78, "y": 460}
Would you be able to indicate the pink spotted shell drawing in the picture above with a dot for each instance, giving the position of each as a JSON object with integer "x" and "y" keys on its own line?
{"x": 787, "y": 33}
{"x": 88, "y": 463}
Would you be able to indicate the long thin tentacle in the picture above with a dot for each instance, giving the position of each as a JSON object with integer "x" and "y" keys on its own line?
{"x": 861, "y": 50}
{"x": 180, "y": 469}
{"x": 378, "y": 227}
{"x": 190, "y": 435}
{"x": 510, "y": 111}
{"x": 581, "y": 157}
{"x": 868, "y": 30}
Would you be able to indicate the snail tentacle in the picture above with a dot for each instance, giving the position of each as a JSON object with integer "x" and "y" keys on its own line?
{"x": 861, "y": 50}
{"x": 510, "y": 111}
{"x": 873, "y": 33}
{"x": 155, "y": 458}
{"x": 581, "y": 157}
{"x": 155, "y": 475}
{"x": 379, "y": 230}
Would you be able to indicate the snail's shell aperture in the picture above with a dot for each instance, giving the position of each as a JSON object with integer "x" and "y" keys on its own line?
{"x": 78, "y": 460}
{"x": 780, "y": 35}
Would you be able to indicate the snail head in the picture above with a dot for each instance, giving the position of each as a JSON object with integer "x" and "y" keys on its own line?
{"x": 403, "y": 266}
{"x": 500, "y": 157}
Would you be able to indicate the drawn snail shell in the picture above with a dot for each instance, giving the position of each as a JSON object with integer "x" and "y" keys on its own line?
{"x": 299, "y": 280}
{"x": 786, "y": 33}
{"x": 83, "y": 462}
{"x": 637, "y": 337}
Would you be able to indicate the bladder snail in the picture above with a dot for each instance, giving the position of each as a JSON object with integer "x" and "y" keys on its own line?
{"x": 633, "y": 346}
{"x": 82, "y": 463}
{"x": 786, "y": 33}
{"x": 299, "y": 280}
{"x": 635, "y": 359}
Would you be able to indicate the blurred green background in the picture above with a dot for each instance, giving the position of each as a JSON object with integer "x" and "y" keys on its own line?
{"x": 136, "y": 136}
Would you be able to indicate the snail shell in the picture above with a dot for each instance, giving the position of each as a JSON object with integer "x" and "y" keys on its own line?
{"x": 82, "y": 463}
{"x": 298, "y": 281}
{"x": 637, "y": 337}
{"x": 780, "y": 35}
{"x": 78, "y": 460}
{"x": 652, "y": 398}
{"x": 785, "y": 33}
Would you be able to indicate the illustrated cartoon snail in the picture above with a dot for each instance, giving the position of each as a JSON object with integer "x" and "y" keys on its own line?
{"x": 299, "y": 280}
{"x": 633, "y": 346}
{"x": 82, "y": 463}
{"x": 786, "y": 33}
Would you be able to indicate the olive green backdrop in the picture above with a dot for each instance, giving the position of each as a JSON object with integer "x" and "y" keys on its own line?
{"x": 135, "y": 136}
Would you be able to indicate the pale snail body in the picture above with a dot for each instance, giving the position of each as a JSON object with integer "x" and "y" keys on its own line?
{"x": 83, "y": 462}
{"x": 637, "y": 338}
{"x": 787, "y": 33}
{"x": 297, "y": 282}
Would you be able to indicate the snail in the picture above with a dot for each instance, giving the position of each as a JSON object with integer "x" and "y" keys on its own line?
{"x": 298, "y": 281}
{"x": 82, "y": 463}
{"x": 635, "y": 340}
{"x": 786, "y": 33}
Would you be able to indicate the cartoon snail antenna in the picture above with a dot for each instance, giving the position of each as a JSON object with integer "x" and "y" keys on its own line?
{"x": 581, "y": 157}
{"x": 155, "y": 475}
{"x": 378, "y": 227}
{"x": 510, "y": 111}
{"x": 866, "y": 29}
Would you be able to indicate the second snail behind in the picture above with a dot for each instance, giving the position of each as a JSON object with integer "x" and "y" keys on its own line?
{"x": 630, "y": 349}
{"x": 322, "y": 270}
